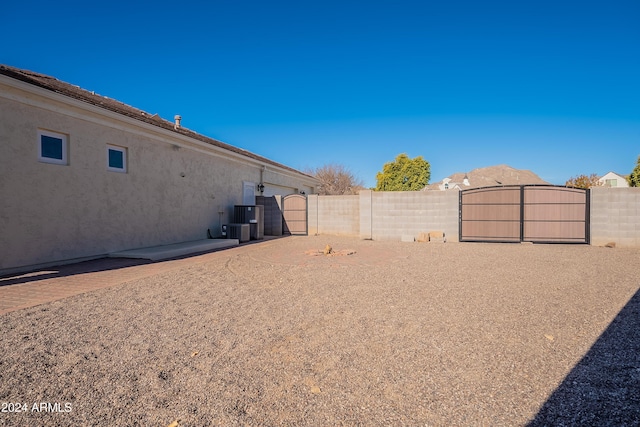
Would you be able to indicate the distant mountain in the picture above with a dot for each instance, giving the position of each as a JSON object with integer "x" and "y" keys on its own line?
{"x": 487, "y": 177}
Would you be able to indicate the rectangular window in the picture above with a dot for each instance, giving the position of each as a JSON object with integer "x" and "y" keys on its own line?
{"x": 611, "y": 183}
{"x": 52, "y": 147}
{"x": 116, "y": 158}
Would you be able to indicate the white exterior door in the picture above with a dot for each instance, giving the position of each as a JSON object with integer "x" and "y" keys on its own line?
{"x": 248, "y": 193}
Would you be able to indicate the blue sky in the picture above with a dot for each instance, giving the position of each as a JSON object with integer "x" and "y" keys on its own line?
{"x": 549, "y": 86}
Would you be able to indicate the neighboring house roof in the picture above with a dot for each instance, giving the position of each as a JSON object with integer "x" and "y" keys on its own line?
{"x": 75, "y": 92}
{"x": 612, "y": 174}
{"x": 488, "y": 177}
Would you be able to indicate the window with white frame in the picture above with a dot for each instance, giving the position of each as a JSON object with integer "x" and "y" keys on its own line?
{"x": 116, "y": 158}
{"x": 53, "y": 147}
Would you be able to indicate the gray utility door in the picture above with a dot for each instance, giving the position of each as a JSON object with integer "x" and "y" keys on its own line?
{"x": 524, "y": 213}
{"x": 294, "y": 212}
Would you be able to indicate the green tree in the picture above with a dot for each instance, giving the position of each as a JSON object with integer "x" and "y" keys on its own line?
{"x": 584, "y": 181}
{"x": 404, "y": 174}
{"x": 634, "y": 177}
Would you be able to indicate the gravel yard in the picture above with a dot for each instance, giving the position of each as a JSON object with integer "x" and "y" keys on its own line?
{"x": 393, "y": 334}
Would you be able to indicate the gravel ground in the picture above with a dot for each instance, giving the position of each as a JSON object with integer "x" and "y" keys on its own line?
{"x": 394, "y": 334}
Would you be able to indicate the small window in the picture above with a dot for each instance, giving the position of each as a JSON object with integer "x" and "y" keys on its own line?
{"x": 116, "y": 158}
{"x": 52, "y": 147}
{"x": 611, "y": 183}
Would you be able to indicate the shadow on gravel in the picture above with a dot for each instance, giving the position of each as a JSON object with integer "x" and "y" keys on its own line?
{"x": 101, "y": 264}
{"x": 93, "y": 266}
{"x": 604, "y": 387}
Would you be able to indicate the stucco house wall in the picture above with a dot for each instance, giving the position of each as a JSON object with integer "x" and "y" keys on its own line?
{"x": 174, "y": 189}
{"x": 613, "y": 180}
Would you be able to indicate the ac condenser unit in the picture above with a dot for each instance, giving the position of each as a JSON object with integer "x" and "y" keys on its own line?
{"x": 253, "y": 215}
{"x": 238, "y": 231}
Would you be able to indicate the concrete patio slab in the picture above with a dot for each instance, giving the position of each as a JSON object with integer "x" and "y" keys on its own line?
{"x": 157, "y": 253}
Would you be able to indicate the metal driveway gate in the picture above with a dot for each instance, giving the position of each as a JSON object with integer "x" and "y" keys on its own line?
{"x": 524, "y": 213}
{"x": 294, "y": 211}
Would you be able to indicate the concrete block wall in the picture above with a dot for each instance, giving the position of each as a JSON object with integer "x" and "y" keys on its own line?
{"x": 337, "y": 215}
{"x": 366, "y": 217}
{"x": 385, "y": 215}
{"x": 312, "y": 214}
{"x": 615, "y": 216}
{"x": 402, "y": 215}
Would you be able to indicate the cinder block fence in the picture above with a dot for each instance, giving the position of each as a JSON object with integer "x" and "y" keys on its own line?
{"x": 615, "y": 216}
{"x": 403, "y": 215}
{"x": 385, "y": 215}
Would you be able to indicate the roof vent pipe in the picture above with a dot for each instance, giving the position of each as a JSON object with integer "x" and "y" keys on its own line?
{"x": 177, "y": 118}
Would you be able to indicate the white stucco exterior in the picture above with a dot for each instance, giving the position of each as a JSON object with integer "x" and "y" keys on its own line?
{"x": 174, "y": 189}
{"x": 613, "y": 180}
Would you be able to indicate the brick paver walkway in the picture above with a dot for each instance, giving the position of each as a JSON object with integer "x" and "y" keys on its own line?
{"x": 51, "y": 284}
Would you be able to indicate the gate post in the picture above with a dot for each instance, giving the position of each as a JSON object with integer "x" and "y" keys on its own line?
{"x": 521, "y": 213}
{"x": 366, "y": 220}
{"x": 313, "y": 208}
{"x": 587, "y": 216}
{"x": 460, "y": 216}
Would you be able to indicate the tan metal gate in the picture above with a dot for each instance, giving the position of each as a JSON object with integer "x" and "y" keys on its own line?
{"x": 490, "y": 214}
{"x": 528, "y": 213}
{"x": 294, "y": 211}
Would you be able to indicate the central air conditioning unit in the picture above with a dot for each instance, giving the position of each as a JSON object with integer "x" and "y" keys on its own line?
{"x": 252, "y": 215}
{"x": 238, "y": 231}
